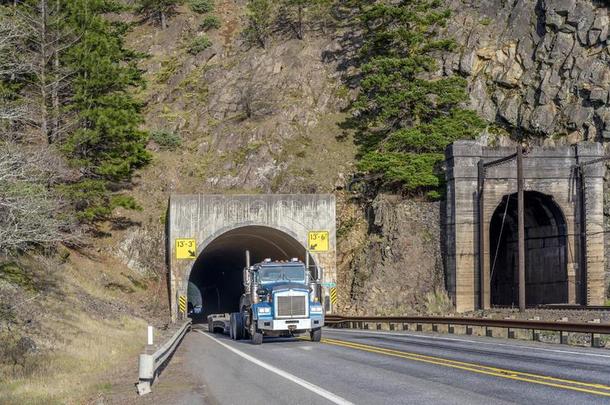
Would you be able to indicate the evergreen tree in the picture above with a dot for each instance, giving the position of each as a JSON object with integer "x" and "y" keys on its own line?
{"x": 405, "y": 117}
{"x": 107, "y": 145}
{"x": 260, "y": 21}
{"x": 158, "y": 10}
{"x": 35, "y": 59}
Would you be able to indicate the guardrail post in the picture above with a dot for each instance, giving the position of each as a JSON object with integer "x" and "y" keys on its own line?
{"x": 488, "y": 332}
{"x": 378, "y": 326}
{"x": 535, "y": 335}
{"x": 392, "y": 326}
{"x": 596, "y": 340}
{"x": 450, "y": 329}
{"x": 405, "y": 326}
{"x": 563, "y": 336}
{"x": 434, "y": 327}
{"x": 511, "y": 333}
{"x": 152, "y": 359}
{"x": 146, "y": 373}
{"x": 419, "y": 327}
{"x": 468, "y": 330}
{"x": 596, "y": 337}
{"x": 366, "y": 325}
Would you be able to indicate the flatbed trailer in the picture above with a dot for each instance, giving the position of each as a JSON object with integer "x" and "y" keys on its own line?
{"x": 219, "y": 323}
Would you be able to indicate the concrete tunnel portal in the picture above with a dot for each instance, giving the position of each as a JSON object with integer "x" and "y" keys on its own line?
{"x": 216, "y": 278}
{"x": 207, "y": 236}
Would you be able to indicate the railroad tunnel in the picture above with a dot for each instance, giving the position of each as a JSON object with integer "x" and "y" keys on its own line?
{"x": 216, "y": 280}
{"x": 545, "y": 252}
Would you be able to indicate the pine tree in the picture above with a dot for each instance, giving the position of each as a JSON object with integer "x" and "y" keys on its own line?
{"x": 158, "y": 10}
{"x": 405, "y": 117}
{"x": 36, "y": 67}
{"x": 108, "y": 145}
{"x": 260, "y": 15}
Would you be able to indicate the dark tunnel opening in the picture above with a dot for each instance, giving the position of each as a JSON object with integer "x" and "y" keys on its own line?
{"x": 546, "y": 279}
{"x": 216, "y": 280}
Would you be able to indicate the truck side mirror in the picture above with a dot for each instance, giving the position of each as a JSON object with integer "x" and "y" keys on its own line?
{"x": 320, "y": 275}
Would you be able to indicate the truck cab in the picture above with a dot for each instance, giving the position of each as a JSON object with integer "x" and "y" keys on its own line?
{"x": 280, "y": 299}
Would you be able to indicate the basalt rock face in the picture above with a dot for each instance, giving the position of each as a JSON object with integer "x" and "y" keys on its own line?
{"x": 390, "y": 263}
{"x": 539, "y": 68}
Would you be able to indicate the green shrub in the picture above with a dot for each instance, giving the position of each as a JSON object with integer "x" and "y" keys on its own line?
{"x": 166, "y": 139}
{"x": 202, "y": 6}
{"x": 199, "y": 44}
{"x": 210, "y": 22}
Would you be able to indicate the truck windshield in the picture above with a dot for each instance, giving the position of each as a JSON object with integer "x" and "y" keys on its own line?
{"x": 279, "y": 273}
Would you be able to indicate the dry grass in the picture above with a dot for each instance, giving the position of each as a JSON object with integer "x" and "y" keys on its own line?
{"x": 86, "y": 334}
{"x": 76, "y": 369}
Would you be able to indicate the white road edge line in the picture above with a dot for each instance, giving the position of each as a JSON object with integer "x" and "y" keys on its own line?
{"x": 305, "y": 384}
{"x": 469, "y": 341}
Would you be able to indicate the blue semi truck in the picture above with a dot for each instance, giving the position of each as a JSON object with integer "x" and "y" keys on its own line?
{"x": 281, "y": 298}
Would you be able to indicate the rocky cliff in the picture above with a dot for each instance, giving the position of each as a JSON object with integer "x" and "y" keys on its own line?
{"x": 267, "y": 120}
{"x": 539, "y": 68}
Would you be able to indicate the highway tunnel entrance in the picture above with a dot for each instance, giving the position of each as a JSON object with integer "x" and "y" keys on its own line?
{"x": 216, "y": 277}
{"x": 207, "y": 236}
{"x": 546, "y": 277}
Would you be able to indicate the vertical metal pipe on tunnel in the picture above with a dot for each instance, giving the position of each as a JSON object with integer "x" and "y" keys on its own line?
{"x": 521, "y": 228}
{"x": 583, "y": 234}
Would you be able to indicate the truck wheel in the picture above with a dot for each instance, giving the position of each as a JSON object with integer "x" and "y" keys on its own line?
{"x": 257, "y": 338}
{"x": 239, "y": 326}
{"x": 316, "y": 335}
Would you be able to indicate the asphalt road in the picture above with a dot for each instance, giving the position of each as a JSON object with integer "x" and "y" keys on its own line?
{"x": 365, "y": 367}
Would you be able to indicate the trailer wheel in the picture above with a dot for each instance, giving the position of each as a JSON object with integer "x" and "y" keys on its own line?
{"x": 257, "y": 338}
{"x": 316, "y": 335}
{"x": 231, "y": 326}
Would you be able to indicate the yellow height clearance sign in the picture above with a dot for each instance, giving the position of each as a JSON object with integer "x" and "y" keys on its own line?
{"x": 317, "y": 241}
{"x": 186, "y": 249}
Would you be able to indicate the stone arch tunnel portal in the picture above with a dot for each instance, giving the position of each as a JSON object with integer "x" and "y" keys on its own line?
{"x": 216, "y": 277}
{"x": 545, "y": 251}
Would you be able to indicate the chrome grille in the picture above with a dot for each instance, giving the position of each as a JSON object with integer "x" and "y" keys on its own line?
{"x": 292, "y": 306}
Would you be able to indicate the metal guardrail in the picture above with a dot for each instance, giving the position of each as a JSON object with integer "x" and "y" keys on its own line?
{"x": 570, "y": 307}
{"x": 534, "y": 325}
{"x": 151, "y": 362}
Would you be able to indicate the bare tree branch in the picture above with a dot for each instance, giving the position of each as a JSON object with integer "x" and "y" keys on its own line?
{"x": 30, "y": 213}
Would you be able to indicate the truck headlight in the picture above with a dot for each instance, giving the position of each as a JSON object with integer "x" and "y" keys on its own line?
{"x": 316, "y": 309}
{"x": 264, "y": 310}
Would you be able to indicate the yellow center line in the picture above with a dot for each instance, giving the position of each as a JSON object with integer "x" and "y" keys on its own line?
{"x": 476, "y": 368}
{"x": 494, "y": 369}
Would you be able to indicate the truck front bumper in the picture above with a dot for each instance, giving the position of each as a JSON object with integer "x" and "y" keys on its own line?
{"x": 290, "y": 324}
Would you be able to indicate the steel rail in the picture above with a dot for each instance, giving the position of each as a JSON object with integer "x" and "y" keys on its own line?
{"x": 558, "y": 326}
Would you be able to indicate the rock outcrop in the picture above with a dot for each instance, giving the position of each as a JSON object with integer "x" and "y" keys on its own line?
{"x": 390, "y": 262}
{"x": 540, "y": 68}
